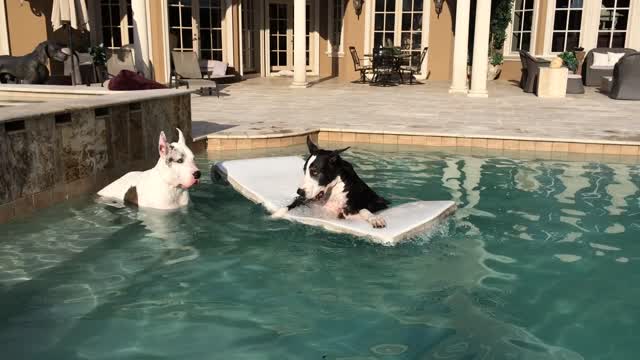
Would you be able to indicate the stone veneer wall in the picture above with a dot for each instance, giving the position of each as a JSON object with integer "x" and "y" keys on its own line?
{"x": 50, "y": 158}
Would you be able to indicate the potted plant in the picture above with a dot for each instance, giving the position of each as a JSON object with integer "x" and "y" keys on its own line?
{"x": 99, "y": 55}
{"x": 495, "y": 66}
{"x": 569, "y": 60}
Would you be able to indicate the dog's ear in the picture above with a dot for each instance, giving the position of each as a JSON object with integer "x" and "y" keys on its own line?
{"x": 180, "y": 137}
{"x": 340, "y": 151}
{"x": 313, "y": 148}
{"x": 163, "y": 146}
{"x": 334, "y": 154}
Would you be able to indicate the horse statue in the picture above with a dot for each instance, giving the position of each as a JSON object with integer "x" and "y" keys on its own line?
{"x": 32, "y": 68}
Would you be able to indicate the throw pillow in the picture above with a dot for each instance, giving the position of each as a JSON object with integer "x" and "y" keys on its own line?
{"x": 219, "y": 68}
{"x": 614, "y": 58}
{"x": 600, "y": 59}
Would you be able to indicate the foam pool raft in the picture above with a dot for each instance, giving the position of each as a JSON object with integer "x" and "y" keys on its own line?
{"x": 273, "y": 181}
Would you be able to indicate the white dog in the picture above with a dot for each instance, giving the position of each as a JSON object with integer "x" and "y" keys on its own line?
{"x": 163, "y": 187}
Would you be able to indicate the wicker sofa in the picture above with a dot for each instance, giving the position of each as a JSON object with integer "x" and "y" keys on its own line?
{"x": 592, "y": 75}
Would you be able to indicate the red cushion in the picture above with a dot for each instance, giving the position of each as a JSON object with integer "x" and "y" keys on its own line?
{"x": 128, "y": 80}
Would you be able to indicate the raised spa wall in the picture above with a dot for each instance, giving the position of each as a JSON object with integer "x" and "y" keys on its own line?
{"x": 49, "y": 158}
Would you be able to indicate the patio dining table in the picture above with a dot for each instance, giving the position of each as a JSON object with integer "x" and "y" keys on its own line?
{"x": 398, "y": 58}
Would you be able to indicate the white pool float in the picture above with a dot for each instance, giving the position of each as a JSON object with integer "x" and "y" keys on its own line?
{"x": 273, "y": 181}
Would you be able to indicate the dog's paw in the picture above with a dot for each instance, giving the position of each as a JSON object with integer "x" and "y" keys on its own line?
{"x": 280, "y": 213}
{"x": 377, "y": 222}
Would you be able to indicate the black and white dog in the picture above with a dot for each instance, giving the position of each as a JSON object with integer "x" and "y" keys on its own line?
{"x": 332, "y": 182}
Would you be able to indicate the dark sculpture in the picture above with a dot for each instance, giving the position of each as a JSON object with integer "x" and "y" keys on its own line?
{"x": 32, "y": 68}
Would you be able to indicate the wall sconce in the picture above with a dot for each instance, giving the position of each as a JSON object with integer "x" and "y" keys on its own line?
{"x": 357, "y": 5}
{"x": 438, "y": 4}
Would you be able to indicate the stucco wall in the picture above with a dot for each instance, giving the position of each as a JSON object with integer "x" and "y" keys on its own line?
{"x": 27, "y": 25}
{"x": 441, "y": 35}
{"x": 353, "y": 36}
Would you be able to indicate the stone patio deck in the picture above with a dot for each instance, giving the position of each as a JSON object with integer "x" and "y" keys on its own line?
{"x": 265, "y": 106}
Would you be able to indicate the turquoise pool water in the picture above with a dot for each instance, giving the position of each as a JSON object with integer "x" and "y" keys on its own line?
{"x": 540, "y": 262}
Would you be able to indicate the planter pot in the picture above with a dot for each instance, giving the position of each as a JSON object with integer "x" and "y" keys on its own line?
{"x": 494, "y": 71}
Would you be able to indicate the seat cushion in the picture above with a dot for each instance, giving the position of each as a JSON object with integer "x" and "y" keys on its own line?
{"x": 606, "y": 67}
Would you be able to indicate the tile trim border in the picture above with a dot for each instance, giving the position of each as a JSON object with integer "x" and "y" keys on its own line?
{"x": 216, "y": 142}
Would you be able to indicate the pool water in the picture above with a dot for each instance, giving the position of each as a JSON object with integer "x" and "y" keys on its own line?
{"x": 539, "y": 262}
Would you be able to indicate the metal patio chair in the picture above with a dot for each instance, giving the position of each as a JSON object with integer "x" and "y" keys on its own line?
{"x": 357, "y": 65}
{"x": 415, "y": 66}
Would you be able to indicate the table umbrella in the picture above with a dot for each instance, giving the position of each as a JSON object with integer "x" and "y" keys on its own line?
{"x": 71, "y": 14}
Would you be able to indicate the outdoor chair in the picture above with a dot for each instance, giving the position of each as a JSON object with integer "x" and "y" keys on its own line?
{"x": 120, "y": 59}
{"x": 84, "y": 70}
{"x": 592, "y": 74}
{"x": 187, "y": 71}
{"x": 530, "y": 71}
{"x": 357, "y": 65}
{"x": 415, "y": 66}
{"x": 626, "y": 78}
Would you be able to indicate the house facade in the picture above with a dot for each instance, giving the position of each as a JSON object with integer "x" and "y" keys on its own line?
{"x": 257, "y": 37}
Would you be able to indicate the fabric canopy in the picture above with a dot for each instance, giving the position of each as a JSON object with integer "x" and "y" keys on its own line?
{"x": 73, "y": 12}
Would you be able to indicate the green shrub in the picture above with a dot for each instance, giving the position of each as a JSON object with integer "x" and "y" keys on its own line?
{"x": 496, "y": 59}
{"x": 500, "y": 19}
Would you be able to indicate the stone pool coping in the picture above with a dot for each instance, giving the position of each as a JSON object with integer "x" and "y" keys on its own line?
{"x": 222, "y": 141}
{"x": 75, "y": 98}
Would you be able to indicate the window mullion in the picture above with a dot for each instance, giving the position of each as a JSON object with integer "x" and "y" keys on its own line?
{"x": 397, "y": 31}
{"x": 124, "y": 33}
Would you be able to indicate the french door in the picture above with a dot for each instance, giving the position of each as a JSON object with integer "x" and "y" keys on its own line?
{"x": 400, "y": 23}
{"x": 197, "y": 25}
{"x": 250, "y": 36}
{"x": 279, "y": 37}
{"x": 280, "y": 45}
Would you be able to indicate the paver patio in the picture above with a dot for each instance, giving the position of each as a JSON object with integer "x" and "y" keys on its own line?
{"x": 269, "y": 105}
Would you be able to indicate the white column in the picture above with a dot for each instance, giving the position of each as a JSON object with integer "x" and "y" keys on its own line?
{"x": 299, "y": 46}
{"x": 480, "y": 50}
{"x": 634, "y": 28}
{"x": 460, "y": 48}
{"x": 4, "y": 30}
{"x": 140, "y": 36}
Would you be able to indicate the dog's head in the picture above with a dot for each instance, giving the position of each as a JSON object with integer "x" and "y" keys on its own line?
{"x": 179, "y": 168}
{"x": 56, "y": 51}
{"x": 320, "y": 171}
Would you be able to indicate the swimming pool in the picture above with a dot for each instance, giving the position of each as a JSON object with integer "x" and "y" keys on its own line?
{"x": 539, "y": 262}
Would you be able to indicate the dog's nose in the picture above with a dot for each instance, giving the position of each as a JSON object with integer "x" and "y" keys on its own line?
{"x": 300, "y": 192}
{"x": 196, "y": 175}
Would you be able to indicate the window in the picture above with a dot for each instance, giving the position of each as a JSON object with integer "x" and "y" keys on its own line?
{"x": 411, "y": 35}
{"x": 336, "y": 14}
{"x": 211, "y": 29}
{"x": 117, "y": 23}
{"x": 614, "y": 17}
{"x": 250, "y": 37}
{"x": 180, "y": 25}
{"x": 384, "y": 28}
{"x": 566, "y": 25}
{"x": 399, "y": 23}
{"x": 522, "y": 25}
